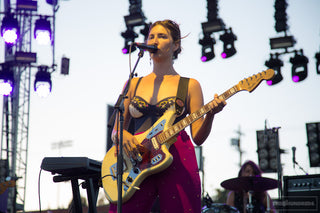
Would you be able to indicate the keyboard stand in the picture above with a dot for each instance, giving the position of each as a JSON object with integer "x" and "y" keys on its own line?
{"x": 90, "y": 184}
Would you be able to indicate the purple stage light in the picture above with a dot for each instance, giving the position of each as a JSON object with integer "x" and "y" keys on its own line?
{"x": 124, "y": 50}
{"x": 269, "y": 83}
{"x": 10, "y": 35}
{"x": 43, "y": 37}
{"x": 203, "y": 58}
{"x": 295, "y": 78}
{"x": 5, "y": 87}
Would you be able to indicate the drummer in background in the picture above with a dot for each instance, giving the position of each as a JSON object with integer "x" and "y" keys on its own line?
{"x": 240, "y": 199}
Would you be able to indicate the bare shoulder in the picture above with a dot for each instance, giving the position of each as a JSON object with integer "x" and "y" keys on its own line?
{"x": 194, "y": 84}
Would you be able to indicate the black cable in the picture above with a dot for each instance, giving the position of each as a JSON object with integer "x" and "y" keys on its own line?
{"x": 39, "y": 197}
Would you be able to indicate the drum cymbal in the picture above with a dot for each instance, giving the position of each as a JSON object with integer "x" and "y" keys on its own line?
{"x": 256, "y": 184}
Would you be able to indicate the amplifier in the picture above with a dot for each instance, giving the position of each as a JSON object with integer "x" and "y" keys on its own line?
{"x": 301, "y": 194}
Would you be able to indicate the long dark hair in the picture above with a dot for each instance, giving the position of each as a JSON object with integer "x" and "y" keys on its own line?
{"x": 256, "y": 170}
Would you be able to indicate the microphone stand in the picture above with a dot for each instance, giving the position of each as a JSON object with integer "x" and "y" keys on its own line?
{"x": 118, "y": 107}
{"x": 295, "y": 162}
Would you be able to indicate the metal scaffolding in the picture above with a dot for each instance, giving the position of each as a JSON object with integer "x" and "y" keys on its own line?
{"x": 16, "y": 107}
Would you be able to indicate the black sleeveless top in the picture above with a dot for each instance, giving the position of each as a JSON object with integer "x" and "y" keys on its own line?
{"x": 144, "y": 114}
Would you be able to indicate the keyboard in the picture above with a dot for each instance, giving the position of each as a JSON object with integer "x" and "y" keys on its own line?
{"x": 71, "y": 166}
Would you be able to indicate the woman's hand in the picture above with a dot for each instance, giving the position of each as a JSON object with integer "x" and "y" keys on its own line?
{"x": 217, "y": 104}
{"x": 130, "y": 145}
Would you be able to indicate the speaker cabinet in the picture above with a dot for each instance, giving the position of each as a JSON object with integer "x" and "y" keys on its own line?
{"x": 301, "y": 194}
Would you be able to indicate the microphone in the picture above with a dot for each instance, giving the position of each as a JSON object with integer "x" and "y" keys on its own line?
{"x": 150, "y": 48}
{"x": 293, "y": 155}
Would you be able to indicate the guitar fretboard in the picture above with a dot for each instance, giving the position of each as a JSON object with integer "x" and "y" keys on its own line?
{"x": 179, "y": 126}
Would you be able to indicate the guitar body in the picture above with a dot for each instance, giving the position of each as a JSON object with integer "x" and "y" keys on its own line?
{"x": 155, "y": 158}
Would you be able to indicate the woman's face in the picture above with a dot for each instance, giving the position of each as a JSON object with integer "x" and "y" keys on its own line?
{"x": 247, "y": 171}
{"x": 161, "y": 37}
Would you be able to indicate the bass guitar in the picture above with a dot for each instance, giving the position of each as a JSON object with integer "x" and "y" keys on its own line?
{"x": 155, "y": 143}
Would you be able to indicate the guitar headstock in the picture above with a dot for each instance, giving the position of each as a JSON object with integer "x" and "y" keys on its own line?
{"x": 252, "y": 82}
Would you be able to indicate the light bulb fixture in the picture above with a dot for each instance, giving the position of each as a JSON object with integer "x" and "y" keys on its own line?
{"x": 207, "y": 50}
{"x": 274, "y": 63}
{"x": 42, "y": 31}
{"x": 136, "y": 19}
{"x": 212, "y": 26}
{"x": 42, "y": 82}
{"x": 299, "y": 66}
{"x": 6, "y": 80}
{"x": 282, "y": 42}
{"x": 10, "y": 29}
{"x": 228, "y": 39}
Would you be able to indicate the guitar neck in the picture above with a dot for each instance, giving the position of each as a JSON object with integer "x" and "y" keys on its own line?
{"x": 179, "y": 126}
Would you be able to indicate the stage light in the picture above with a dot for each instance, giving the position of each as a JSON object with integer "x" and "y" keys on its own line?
{"x": 228, "y": 39}
{"x": 280, "y": 15}
{"x": 42, "y": 82}
{"x": 267, "y": 143}
{"x": 275, "y": 63}
{"x": 6, "y": 80}
{"x": 299, "y": 66}
{"x": 212, "y": 26}
{"x": 207, "y": 50}
{"x": 313, "y": 136}
{"x": 10, "y": 29}
{"x": 317, "y": 56}
{"x": 282, "y": 42}
{"x": 42, "y": 31}
{"x": 129, "y": 35}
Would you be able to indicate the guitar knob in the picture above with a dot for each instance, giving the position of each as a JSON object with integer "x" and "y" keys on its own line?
{"x": 136, "y": 170}
{"x": 129, "y": 179}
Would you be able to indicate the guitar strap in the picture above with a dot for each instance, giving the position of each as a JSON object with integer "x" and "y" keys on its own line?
{"x": 182, "y": 94}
